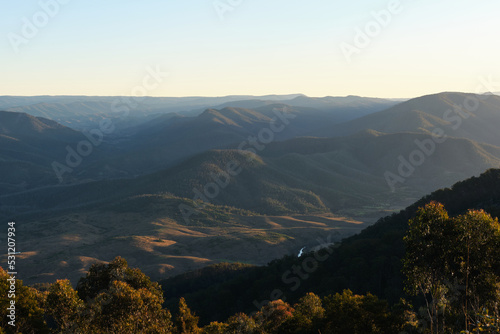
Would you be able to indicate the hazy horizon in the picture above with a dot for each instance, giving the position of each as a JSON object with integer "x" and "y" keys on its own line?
{"x": 387, "y": 49}
{"x": 256, "y": 96}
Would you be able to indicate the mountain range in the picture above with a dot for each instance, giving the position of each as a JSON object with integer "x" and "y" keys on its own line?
{"x": 273, "y": 172}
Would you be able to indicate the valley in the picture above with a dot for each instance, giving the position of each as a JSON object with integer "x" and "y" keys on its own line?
{"x": 138, "y": 197}
{"x": 160, "y": 193}
{"x": 154, "y": 240}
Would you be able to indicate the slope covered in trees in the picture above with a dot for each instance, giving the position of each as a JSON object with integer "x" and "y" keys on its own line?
{"x": 367, "y": 262}
{"x": 114, "y": 298}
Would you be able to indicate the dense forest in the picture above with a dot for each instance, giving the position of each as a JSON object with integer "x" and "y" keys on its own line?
{"x": 444, "y": 279}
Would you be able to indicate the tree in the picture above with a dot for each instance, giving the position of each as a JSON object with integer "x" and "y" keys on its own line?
{"x": 120, "y": 299}
{"x": 241, "y": 323}
{"x": 310, "y": 306}
{"x": 475, "y": 265}
{"x": 63, "y": 304}
{"x": 185, "y": 321}
{"x": 307, "y": 316}
{"x": 123, "y": 309}
{"x": 425, "y": 263}
{"x": 272, "y": 315}
{"x": 215, "y": 328}
{"x": 28, "y": 306}
{"x": 349, "y": 313}
{"x": 453, "y": 263}
{"x": 100, "y": 276}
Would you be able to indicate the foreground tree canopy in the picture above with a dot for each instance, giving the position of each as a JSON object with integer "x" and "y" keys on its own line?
{"x": 454, "y": 264}
{"x": 114, "y": 298}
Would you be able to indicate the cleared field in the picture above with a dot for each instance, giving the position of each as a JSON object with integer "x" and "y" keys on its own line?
{"x": 65, "y": 246}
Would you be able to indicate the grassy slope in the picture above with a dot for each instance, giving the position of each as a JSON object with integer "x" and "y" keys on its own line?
{"x": 149, "y": 231}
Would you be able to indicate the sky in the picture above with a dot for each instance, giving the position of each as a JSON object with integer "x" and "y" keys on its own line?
{"x": 389, "y": 48}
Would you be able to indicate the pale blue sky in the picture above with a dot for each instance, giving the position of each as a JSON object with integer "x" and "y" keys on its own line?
{"x": 92, "y": 47}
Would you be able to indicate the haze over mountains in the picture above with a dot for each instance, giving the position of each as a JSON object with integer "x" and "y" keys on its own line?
{"x": 80, "y": 112}
{"x": 459, "y": 115}
{"x": 138, "y": 185}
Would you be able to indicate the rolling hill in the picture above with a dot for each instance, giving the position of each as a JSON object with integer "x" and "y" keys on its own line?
{"x": 157, "y": 137}
{"x": 338, "y": 108}
{"x": 170, "y": 138}
{"x": 132, "y": 193}
{"x": 28, "y": 146}
{"x": 302, "y": 175}
{"x": 461, "y": 115}
{"x": 149, "y": 231}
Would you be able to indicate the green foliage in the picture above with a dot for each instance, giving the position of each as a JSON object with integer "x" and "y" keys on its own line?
{"x": 309, "y": 306}
{"x": 29, "y": 310}
{"x": 273, "y": 315}
{"x": 215, "y": 328}
{"x": 453, "y": 263}
{"x": 130, "y": 303}
{"x": 63, "y": 304}
{"x": 424, "y": 260}
{"x": 101, "y": 276}
{"x": 308, "y": 316}
{"x": 112, "y": 298}
{"x": 185, "y": 321}
{"x": 343, "y": 313}
{"x": 123, "y": 309}
{"x": 349, "y": 313}
{"x": 486, "y": 323}
{"x": 241, "y": 324}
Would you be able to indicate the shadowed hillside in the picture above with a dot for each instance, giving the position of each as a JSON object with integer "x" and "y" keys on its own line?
{"x": 28, "y": 146}
{"x": 367, "y": 262}
{"x": 303, "y": 175}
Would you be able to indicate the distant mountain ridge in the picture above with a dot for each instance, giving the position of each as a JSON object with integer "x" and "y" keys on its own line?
{"x": 464, "y": 115}
{"x": 28, "y": 147}
{"x": 22, "y": 124}
{"x": 84, "y": 111}
{"x": 169, "y": 139}
{"x": 292, "y": 161}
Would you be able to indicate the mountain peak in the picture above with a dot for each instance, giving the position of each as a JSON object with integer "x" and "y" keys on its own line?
{"x": 15, "y": 123}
